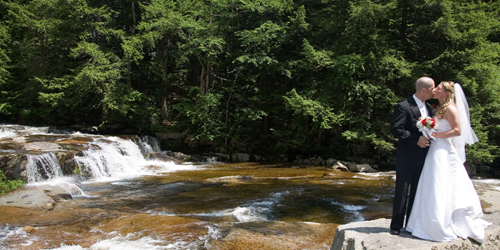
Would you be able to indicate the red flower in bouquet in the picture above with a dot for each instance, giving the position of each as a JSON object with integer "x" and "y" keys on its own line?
{"x": 427, "y": 125}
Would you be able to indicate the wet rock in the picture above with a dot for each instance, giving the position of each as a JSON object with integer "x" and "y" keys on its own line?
{"x": 331, "y": 162}
{"x": 67, "y": 162}
{"x": 276, "y": 235}
{"x": 40, "y": 196}
{"x": 240, "y": 157}
{"x": 180, "y": 156}
{"x": 202, "y": 158}
{"x": 162, "y": 157}
{"x": 221, "y": 157}
{"x": 42, "y": 146}
{"x": 28, "y": 197}
{"x": 318, "y": 161}
{"x": 339, "y": 166}
{"x": 354, "y": 167}
{"x": 28, "y": 229}
{"x": 14, "y": 165}
{"x": 375, "y": 235}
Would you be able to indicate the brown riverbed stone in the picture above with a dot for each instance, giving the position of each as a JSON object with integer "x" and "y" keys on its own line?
{"x": 28, "y": 229}
{"x": 157, "y": 224}
{"x": 277, "y": 235}
{"x": 72, "y": 224}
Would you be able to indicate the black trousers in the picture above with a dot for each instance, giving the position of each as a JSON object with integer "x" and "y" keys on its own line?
{"x": 406, "y": 187}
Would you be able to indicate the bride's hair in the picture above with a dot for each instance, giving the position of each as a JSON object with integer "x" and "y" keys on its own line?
{"x": 448, "y": 87}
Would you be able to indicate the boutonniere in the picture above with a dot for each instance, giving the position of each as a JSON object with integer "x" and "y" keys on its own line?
{"x": 432, "y": 105}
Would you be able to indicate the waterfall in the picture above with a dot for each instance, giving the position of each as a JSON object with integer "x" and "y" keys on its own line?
{"x": 99, "y": 157}
{"x": 42, "y": 167}
{"x": 111, "y": 157}
{"x": 22, "y": 130}
{"x": 6, "y": 132}
{"x": 149, "y": 144}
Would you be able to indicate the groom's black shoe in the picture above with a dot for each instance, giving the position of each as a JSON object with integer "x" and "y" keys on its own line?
{"x": 394, "y": 232}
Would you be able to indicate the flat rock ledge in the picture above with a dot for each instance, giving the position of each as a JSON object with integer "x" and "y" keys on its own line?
{"x": 38, "y": 197}
{"x": 375, "y": 234}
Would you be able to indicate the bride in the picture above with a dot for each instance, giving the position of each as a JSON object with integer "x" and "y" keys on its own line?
{"x": 446, "y": 204}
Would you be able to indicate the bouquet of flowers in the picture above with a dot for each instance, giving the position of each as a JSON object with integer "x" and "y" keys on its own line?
{"x": 427, "y": 125}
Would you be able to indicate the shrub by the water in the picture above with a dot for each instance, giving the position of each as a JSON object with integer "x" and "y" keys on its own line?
{"x": 7, "y": 185}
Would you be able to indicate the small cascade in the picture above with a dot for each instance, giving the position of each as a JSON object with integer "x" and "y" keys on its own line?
{"x": 111, "y": 157}
{"x": 94, "y": 157}
{"x": 6, "y": 132}
{"x": 19, "y": 130}
{"x": 149, "y": 144}
{"x": 43, "y": 167}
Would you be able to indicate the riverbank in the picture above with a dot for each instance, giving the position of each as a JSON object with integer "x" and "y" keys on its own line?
{"x": 375, "y": 234}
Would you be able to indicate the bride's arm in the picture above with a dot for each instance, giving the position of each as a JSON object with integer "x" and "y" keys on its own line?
{"x": 451, "y": 114}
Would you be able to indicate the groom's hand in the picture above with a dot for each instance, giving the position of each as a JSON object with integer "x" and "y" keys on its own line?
{"x": 423, "y": 142}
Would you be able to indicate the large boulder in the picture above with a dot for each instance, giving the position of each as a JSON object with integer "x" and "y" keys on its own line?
{"x": 375, "y": 234}
{"x": 14, "y": 165}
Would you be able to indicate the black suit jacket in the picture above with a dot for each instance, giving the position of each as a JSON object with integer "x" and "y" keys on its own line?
{"x": 403, "y": 127}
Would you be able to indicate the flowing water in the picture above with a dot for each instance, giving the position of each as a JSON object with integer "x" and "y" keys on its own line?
{"x": 121, "y": 200}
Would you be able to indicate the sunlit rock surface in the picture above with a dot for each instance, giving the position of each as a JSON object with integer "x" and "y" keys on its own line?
{"x": 277, "y": 235}
{"x": 375, "y": 234}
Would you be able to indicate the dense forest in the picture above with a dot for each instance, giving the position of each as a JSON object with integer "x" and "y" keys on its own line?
{"x": 263, "y": 76}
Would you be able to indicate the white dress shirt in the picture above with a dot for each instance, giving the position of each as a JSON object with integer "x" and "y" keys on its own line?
{"x": 421, "y": 106}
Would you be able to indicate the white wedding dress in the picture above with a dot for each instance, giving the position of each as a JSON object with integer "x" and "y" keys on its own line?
{"x": 446, "y": 204}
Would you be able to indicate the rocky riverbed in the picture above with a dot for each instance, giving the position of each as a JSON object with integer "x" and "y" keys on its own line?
{"x": 41, "y": 211}
{"x": 375, "y": 235}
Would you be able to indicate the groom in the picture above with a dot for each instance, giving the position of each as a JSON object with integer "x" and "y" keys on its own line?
{"x": 411, "y": 151}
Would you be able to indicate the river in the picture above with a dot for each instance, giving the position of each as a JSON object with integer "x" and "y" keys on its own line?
{"x": 121, "y": 200}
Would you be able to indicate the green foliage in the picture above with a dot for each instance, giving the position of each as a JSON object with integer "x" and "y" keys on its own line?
{"x": 4, "y": 59}
{"x": 201, "y": 114}
{"x": 280, "y": 76}
{"x": 322, "y": 117}
{"x": 7, "y": 185}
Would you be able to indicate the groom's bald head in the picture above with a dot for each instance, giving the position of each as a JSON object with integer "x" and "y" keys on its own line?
{"x": 424, "y": 83}
{"x": 424, "y": 87}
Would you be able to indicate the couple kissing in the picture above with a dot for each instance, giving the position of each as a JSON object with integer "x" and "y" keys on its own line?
{"x": 433, "y": 190}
